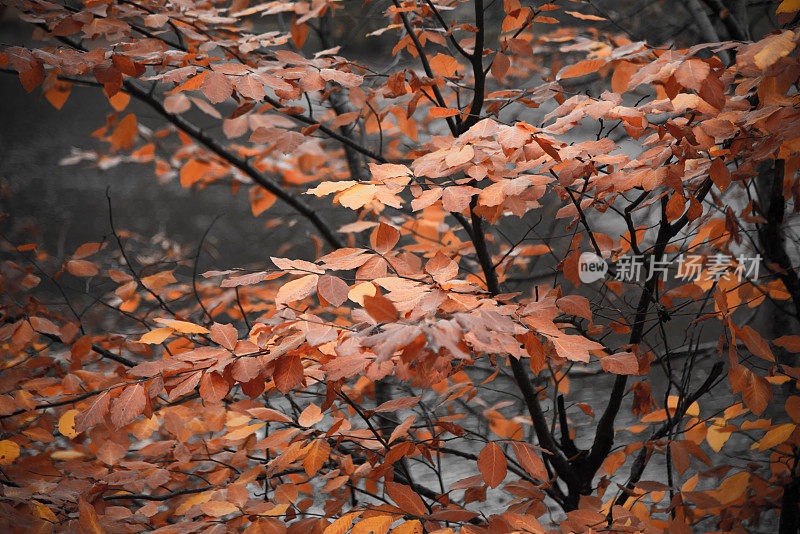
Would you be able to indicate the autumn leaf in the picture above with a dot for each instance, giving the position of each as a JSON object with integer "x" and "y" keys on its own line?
{"x": 357, "y": 196}
{"x": 441, "y": 113}
{"x": 225, "y": 335}
{"x": 310, "y": 416}
{"x": 66, "y": 423}
{"x": 774, "y": 48}
{"x": 242, "y": 432}
{"x": 692, "y": 73}
{"x": 183, "y": 327}
{"x": 128, "y": 406}
{"x": 444, "y": 65}
{"x": 529, "y": 460}
{"x": 288, "y": 373}
{"x": 95, "y": 414}
{"x": 788, "y": 6}
{"x": 621, "y": 363}
{"x": 441, "y": 268}
{"x": 125, "y": 133}
{"x": 82, "y": 268}
{"x": 332, "y": 289}
{"x": 213, "y": 387}
{"x": 9, "y": 451}
{"x": 260, "y": 200}
{"x": 216, "y": 87}
{"x": 775, "y": 436}
{"x": 754, "y": 342}
{"x": 317, "y": 453}
{"x": 87, "y": 518}
{"x": 218, "y": 508}
{"x": 406, "y": 499}
{"x": 492, "y": 464}
{"x": 384, "y": 238}
{"x": 157, "y": 336}
{"x": 583, "y": 68}
{"x": 380, "y": 308}
{"x": 359, "y": 291}
{"x": 297, "y": 289}
{"x": 402, "y": 403}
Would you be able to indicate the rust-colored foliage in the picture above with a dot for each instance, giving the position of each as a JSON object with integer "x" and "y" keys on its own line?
{"x": 422, "y": 371}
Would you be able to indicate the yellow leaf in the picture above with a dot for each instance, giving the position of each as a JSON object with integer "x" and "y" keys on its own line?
{"x": 788, "y": 6}
{"x": 66, "y": 424}
{"x": 775, "y": 436}
{"x": 184, "y": 327}
{"x": 715, "y": 436}
{"x": 154, "y": 337}
{"x": 9, "y": 451}
{"x": 359, "y": 291}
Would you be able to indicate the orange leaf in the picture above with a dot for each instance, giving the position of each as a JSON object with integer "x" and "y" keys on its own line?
{"x": 403, "y": 403}
{"x": 125, "y": 133}
{"x": 492, "y": 464}
{"x": 216, "y": 87}
{"x": 66, "y": 423}
{"x": 310, "y": 416}
{"x": 621, "y": 363}
{"x": 154, "y": 337}
{"x": 530, "y": 461}
{"x": 183, "y": 327}
{"x": 87, "y": 518}
{"x": 380, "y": 308}
{"x": 315, "y": 456}
{"x": 128, "y": 406}
{"x": 260, "y": 200}
{"x": 406, "y": 499}
{"x": 82, "y": 268}
{"x": 296, "y": 289}
{"x": 95, "y": 414}
{"x": 288, "y": 373}
{"x": 692, "y": 73}
{"x": 790, "y": 343}
{"x": 441, "y": 268}
{"x": 218, "y": 508}
{"x": 384, "y": 238}
{"x": 225, "y": 335}
{"x": 575, "y": 305}
{"x": 213, "y": 387}
{"x": 754, "y": 342}
{"x": 193, "y": 171}
{"x": 334, "y": 290}
{"x": 444, "y": 65}
{"x": 9, "y": 451}
{"x": 583, "y": 68}
{"x": 440, "y": 113}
